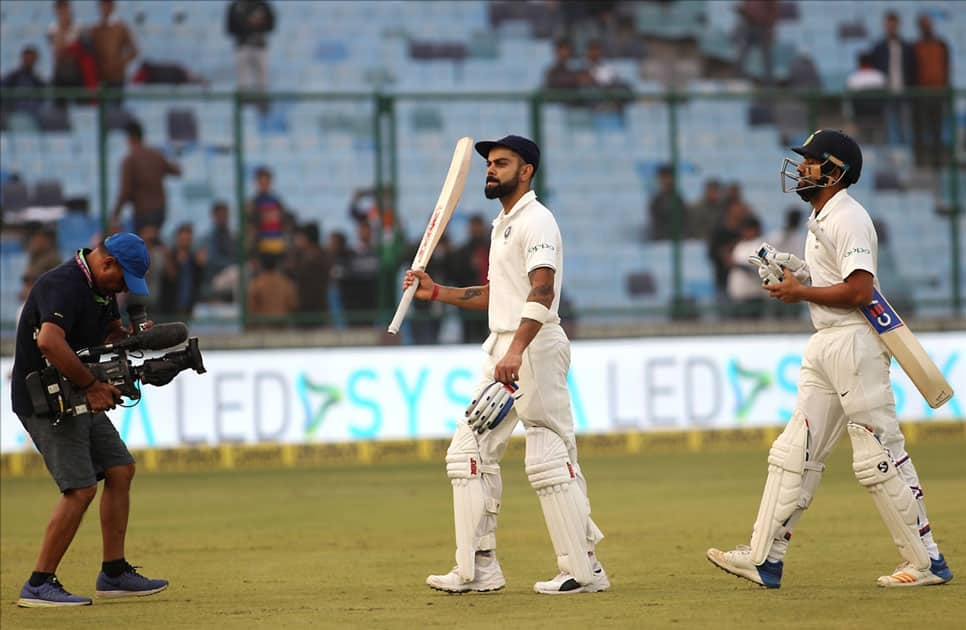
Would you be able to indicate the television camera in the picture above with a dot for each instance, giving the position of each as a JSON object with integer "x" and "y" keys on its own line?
{"x": 54, "y": 396}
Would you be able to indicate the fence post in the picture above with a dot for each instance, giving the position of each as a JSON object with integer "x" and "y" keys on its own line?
{"x": 955, "y": 206}
{"x": 536, "y": 132}
{"x": 238, "y": 130}
{"x": 102, "y": 158}
{"x": 677, "y": 307}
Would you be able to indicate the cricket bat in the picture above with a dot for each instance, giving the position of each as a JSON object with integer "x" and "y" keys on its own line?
{"x": 900, "y": 341}
{"x": 449, "y": 196}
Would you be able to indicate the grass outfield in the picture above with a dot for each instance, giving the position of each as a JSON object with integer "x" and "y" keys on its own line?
{"x": 351, "y": 547}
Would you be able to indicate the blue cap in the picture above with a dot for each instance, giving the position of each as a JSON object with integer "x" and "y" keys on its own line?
{"x": 524, "y": 147}
{"x": 132, "y": 254}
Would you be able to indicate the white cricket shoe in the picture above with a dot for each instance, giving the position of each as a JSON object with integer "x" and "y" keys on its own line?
{"x": 489, "y": 577}
{"x": 565, "y": 584}
{"x": 738, "y": 562}
{"x": 907, "y": 575}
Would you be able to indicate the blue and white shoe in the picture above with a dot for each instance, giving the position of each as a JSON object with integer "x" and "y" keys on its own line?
{"x": 738, "y": 562}
{"x": 128, "y": 584}
{"x": 907, "y": 575}
{"x": 50, "y": 594}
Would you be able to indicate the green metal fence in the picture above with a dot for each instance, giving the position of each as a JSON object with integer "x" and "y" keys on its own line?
{"x": 531, "y": 112}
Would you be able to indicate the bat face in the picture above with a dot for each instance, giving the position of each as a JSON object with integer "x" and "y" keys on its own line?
{"x": 449, "y": 196}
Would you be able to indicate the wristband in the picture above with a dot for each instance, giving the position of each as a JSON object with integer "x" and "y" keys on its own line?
{"x": 89, "y": 385}
{"x": 536, "y": 311}
{"x": 435, "y": 294}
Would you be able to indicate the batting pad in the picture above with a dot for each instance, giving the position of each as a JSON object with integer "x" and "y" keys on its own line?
{"x": 895, "y": 501}
{"x": 783, "y": 488}
{"x": 565, "y": 507}
{"x": 470, "y": 503}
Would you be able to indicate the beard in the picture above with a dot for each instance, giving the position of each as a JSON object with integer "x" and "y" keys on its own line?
{"x": 497, "y": 189}
{"x": 807, "y": 194}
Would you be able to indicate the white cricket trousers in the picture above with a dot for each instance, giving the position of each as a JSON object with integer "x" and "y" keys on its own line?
{"x": 544, "y": 402}
{"x": 845, "y": 377}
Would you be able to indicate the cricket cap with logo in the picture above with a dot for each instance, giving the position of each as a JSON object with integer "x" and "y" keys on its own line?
{"x": 132, "y": 254}
{"x": 524, "y": 147}
{"x": 829, "y": 143}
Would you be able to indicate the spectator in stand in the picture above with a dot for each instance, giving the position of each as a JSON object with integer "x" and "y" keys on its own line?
{"x": 267, "y": 217}
{"x": 74, "y": 64}
{"x": 42, "y": 253}
{"x": 310, "y": 269}
{"x": 471, "y": 268}
{"x": 114, "y": 47}
{"x": 790, "y": 237}
{"x": 757, "y": 29}
{"x": 721, "y": 243}
{"x": 426, "y": 317}
{"x": 272, "y": 296}
{"x": 603, "y": 76}
{"x": 666, "y": 207}
{"x": 182, "y": 274}
{"x": 249, "y": 22}
{"x": 932, "y": 72}
{"x": 896, "y": 59}
{"x": 867, "y": 111}
{"x": 744, "y": 286}
{"x": 25, "y": 77}
{"x": 340, "y": 257}
{"x": 151, "y": 235}
{"x": 142, "y": 180}
{"x": 219, "y": 249}
{"x": 562, "y": 75}
{"x": 360, "y": 289}
{"x": 706, "y": 211}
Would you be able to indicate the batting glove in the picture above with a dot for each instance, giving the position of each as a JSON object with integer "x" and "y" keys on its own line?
{"x": 492, "y": 406}
{"x": 771, "y": 264}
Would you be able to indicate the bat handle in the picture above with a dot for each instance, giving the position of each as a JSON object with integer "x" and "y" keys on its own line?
{"x": 404, "y": 302}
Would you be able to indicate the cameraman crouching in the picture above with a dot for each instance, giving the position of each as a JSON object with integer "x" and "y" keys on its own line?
{"x": 69, "y": 308}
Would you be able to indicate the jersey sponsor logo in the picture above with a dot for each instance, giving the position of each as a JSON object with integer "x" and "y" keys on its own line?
{"x": 539, "y": 246}
{"x": 881, "y": 314}
{"x": 506, "y": 232}
{"x": 857, "y": 250}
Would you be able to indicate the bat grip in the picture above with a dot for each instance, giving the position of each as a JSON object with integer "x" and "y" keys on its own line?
{"x": 404, "y": 302}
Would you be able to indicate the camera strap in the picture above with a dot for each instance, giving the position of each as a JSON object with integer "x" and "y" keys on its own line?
{"x": 82, "y": 263}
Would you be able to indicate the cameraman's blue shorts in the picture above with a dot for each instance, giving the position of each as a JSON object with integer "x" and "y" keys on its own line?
{"x": 79, "y": 449}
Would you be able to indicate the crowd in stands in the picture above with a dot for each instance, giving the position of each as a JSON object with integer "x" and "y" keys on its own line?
{"x": 292, "y": 273}
{"x": 893, "y": 66}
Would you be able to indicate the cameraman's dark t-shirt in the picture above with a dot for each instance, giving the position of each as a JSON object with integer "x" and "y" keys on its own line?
{"x": 61, "y": 296}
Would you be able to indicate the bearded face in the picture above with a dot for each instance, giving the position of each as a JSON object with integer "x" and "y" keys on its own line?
{"x": 495, "y": 188}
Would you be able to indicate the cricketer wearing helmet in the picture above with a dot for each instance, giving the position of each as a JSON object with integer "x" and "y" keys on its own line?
{"x": 526, "y": 346}
{"x": 843, "y": 384}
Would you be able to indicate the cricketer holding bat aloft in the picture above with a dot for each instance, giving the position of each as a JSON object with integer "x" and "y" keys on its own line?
{"x": 526, "y": 346}
{"x": 843, "y": 383}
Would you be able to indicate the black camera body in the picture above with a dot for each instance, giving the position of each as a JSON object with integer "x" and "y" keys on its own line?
{"x": 54, "y": 396}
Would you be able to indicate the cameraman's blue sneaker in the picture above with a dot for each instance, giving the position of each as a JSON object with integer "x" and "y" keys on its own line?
{"x": 48, "y": 595}
{"x": 129, "y": 584}
{"x": 738, "y": 562}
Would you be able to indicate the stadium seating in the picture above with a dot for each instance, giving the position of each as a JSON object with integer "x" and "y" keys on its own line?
{"x": 598, "y": 167}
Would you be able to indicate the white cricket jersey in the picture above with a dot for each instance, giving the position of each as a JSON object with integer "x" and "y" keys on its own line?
{"x": 848, "y": 229}
{"x": 523, "y": 239}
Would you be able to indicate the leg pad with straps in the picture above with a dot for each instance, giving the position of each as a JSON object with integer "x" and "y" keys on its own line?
{"x": 470, "y": 501}
{"x": 897, "y": 505}
{"x": 783, "y": 488}
{"x": 565, "y": 506}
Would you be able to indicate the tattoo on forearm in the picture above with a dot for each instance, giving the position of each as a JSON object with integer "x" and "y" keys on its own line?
{"x": 469, "y": 294}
